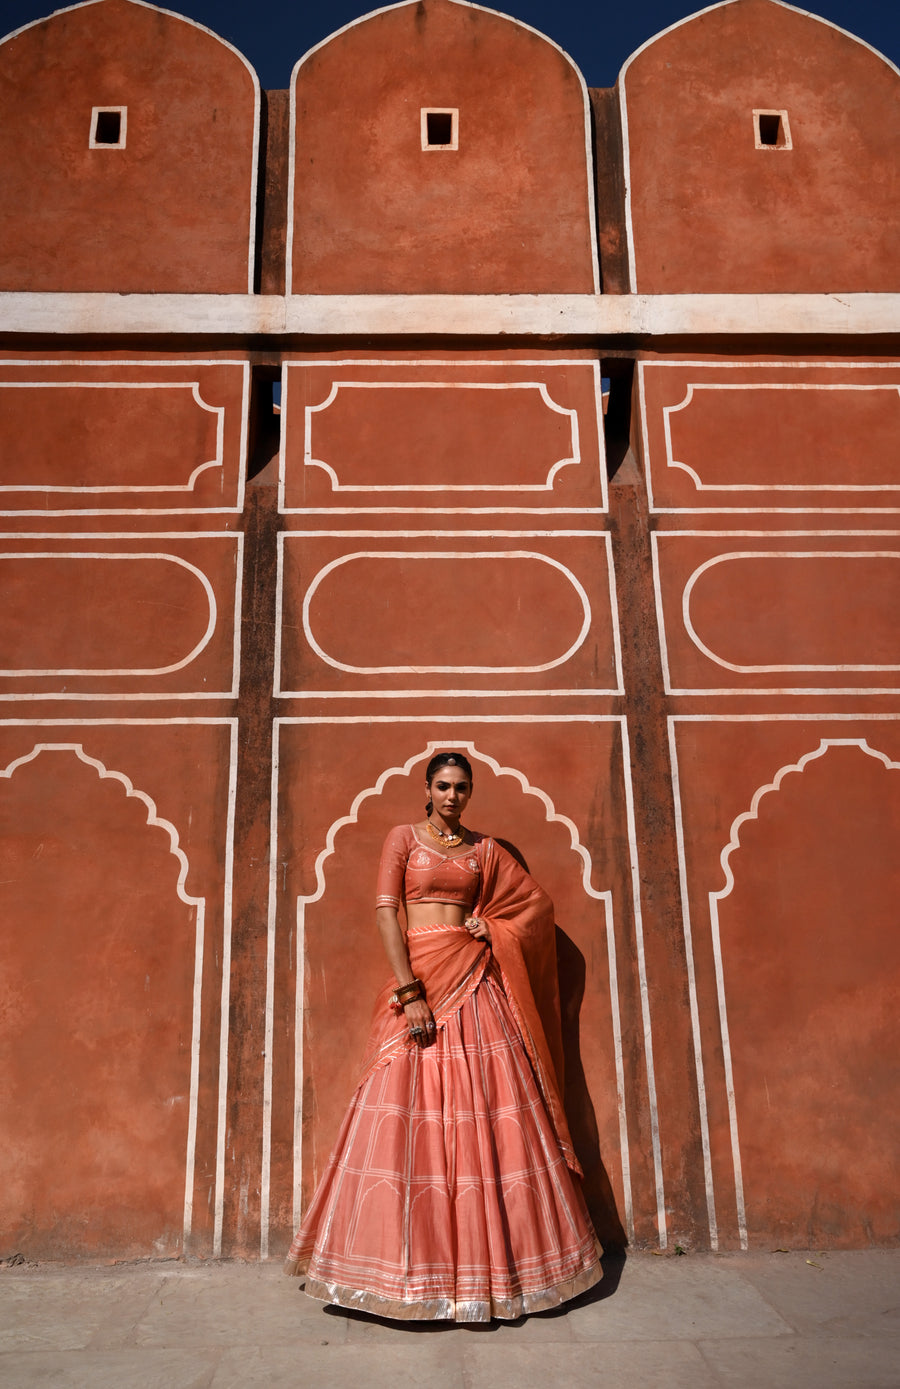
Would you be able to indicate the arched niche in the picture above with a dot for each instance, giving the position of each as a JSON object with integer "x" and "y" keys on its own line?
{"x": 99, "y": 942}
{"x": 438, "y": 148}
{"x": 128, "y": 154}
{"x": 761, "y": 156}
{"x": 343, "y": 968}
{"x": 808, "y": 962}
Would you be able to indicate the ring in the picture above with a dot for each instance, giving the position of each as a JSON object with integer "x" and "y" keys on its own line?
{"x": 430, "y": 1026}
{"x": 417, "y": 1032}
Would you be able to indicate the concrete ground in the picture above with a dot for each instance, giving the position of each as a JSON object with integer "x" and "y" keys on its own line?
{"x": 770, "y": 1321}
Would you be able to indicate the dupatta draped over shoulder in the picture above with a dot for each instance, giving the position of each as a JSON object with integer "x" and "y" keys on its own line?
{"x": 451, "y": 963}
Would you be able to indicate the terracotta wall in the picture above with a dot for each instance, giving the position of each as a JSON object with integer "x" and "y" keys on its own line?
{"x": 170, "y": 205}
{"x": 714, "y": 209}
{"x": 231, "y": 638}
{"x": 505, "y": 207}
{"x": 771, "y": 494}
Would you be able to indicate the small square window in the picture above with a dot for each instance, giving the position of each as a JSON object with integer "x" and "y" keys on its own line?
{"x": 109, "y": 125}
{"x": 771, "y": 130}
{"x": 440, "y": 128}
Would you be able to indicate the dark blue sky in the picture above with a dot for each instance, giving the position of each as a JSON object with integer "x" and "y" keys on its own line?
{"x": 273, "y": 34}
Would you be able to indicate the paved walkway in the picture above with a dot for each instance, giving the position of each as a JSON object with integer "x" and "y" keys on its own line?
{"x": 827, "y": 1321}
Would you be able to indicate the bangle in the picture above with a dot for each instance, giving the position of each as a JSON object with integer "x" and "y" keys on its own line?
{"x": 414, "y": 986}
{"x": 406, "y": 993}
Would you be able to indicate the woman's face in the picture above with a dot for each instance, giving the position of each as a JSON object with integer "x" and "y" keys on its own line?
{"x": 449, "y": 791}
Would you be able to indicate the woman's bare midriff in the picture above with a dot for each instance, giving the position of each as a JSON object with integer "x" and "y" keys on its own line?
{"x": 426, "y": 913}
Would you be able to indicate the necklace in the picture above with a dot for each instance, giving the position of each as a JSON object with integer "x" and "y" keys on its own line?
{"x": 449, "y": 841}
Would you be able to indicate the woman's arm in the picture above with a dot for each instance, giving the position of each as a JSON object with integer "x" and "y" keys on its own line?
{"x": 417, "y": 1013}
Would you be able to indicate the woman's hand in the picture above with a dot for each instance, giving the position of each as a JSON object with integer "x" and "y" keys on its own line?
{"x": 420, "y": 1022}
{"x": 477, "y": 927}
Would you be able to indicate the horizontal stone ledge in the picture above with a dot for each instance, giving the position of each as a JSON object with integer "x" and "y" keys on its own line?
{"x": 450, "y": 315}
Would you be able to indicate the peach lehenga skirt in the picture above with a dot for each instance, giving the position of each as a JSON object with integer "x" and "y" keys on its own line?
{"x": 446, "y": 1196}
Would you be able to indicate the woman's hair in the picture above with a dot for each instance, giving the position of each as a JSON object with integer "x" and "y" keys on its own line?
{"x": 445, "y": 759}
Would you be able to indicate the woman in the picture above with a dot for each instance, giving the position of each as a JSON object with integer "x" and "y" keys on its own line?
{"x": 450, "y": 1194}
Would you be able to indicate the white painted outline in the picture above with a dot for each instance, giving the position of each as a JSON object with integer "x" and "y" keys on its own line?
{"x": 588, "y": 137}
{"x": 390, "y": 537}
{"x": 80, "y": 555}
{"x": 227, "y": 908}
{"x": 459, "y": 364}
{"x": 552, "y": 816}
{"x": 623, "y": 104}
{"x": 786, "y": 144}
{"x": 120, "y": 144}
{"x": 715, "y": 897}
{"x": 254, "y": 152}
{"x": 658, "y": 537}
{"x": 236, "y": 537}
{"x": 453, "y": 113}
{"x": 729, "y": 557}
{"x": 69, "y": 364}
{"x": 672, "y": 462}
{"x": 429, "y": 555}
{"x": 192, "y": 386}
{"x": 746, "y": 365}
{"x": 337, "y": 486}
{"x": 197, "y": 903}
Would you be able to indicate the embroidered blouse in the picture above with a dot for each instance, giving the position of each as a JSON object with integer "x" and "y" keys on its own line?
{"x": 411, "y": 871}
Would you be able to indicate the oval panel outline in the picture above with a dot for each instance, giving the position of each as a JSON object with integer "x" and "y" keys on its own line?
{"x": 446, "y": 554}
{"x": 192, "y": 655}
{"x": 540, "y": 386}
{"x": 732, "y": 555}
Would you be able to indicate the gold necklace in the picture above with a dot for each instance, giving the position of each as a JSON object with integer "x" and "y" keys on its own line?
{"x": 449, "y": 841}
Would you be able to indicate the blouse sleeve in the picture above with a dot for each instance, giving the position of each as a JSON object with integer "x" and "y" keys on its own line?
{"x": 392, "y": 868}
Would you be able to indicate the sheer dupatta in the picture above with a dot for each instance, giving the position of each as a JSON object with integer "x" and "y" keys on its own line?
{"x": 451, "y": 964}
{"x": 522, "y": 927}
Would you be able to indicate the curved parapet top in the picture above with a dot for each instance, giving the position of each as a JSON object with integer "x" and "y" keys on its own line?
{"x": 128, "y": 154}
{"x": 761, "y": 156}
{"x": 438, "y": 147}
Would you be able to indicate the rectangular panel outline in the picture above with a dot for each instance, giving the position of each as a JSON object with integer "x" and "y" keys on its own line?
{"x": 98, "y": 538}
{"x": 771, "y": 486}
{"x": 672, "y": 722}
{"x": 407, "y": 487}
{"x": 72, "y": 363}
{"x": 471, "y": 364}
{"x": 389, "y": 537}
{"x": 227, "y": 914}
{"x": 636, "y": 905}
{"x": 726, "y": 511}
{"x": 755, "y": 690}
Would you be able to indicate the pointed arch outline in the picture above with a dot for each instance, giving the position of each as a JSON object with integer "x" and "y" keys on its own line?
{"x": 154, "y": 821}
{"x": 734, "y": 842}
{"x": 553, "y": 816}
{"x": 623, "y": 104}
{"x": 195, "y": 24}
{"x": 470, "y": 5}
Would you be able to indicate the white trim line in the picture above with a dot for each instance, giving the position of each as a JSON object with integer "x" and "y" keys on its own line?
{"x": 362, "y": 316}
{"x": 659, "y": 1177}
{"x": 325, "y": 853}
{"x": 238, "y": 466}
{"x": 198, "y": 904}
{"x": 573, "y": 457}
{"x": 825, "y": 744}
{"x": 658, "y": 541}
{"x": 236, "y": 548}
